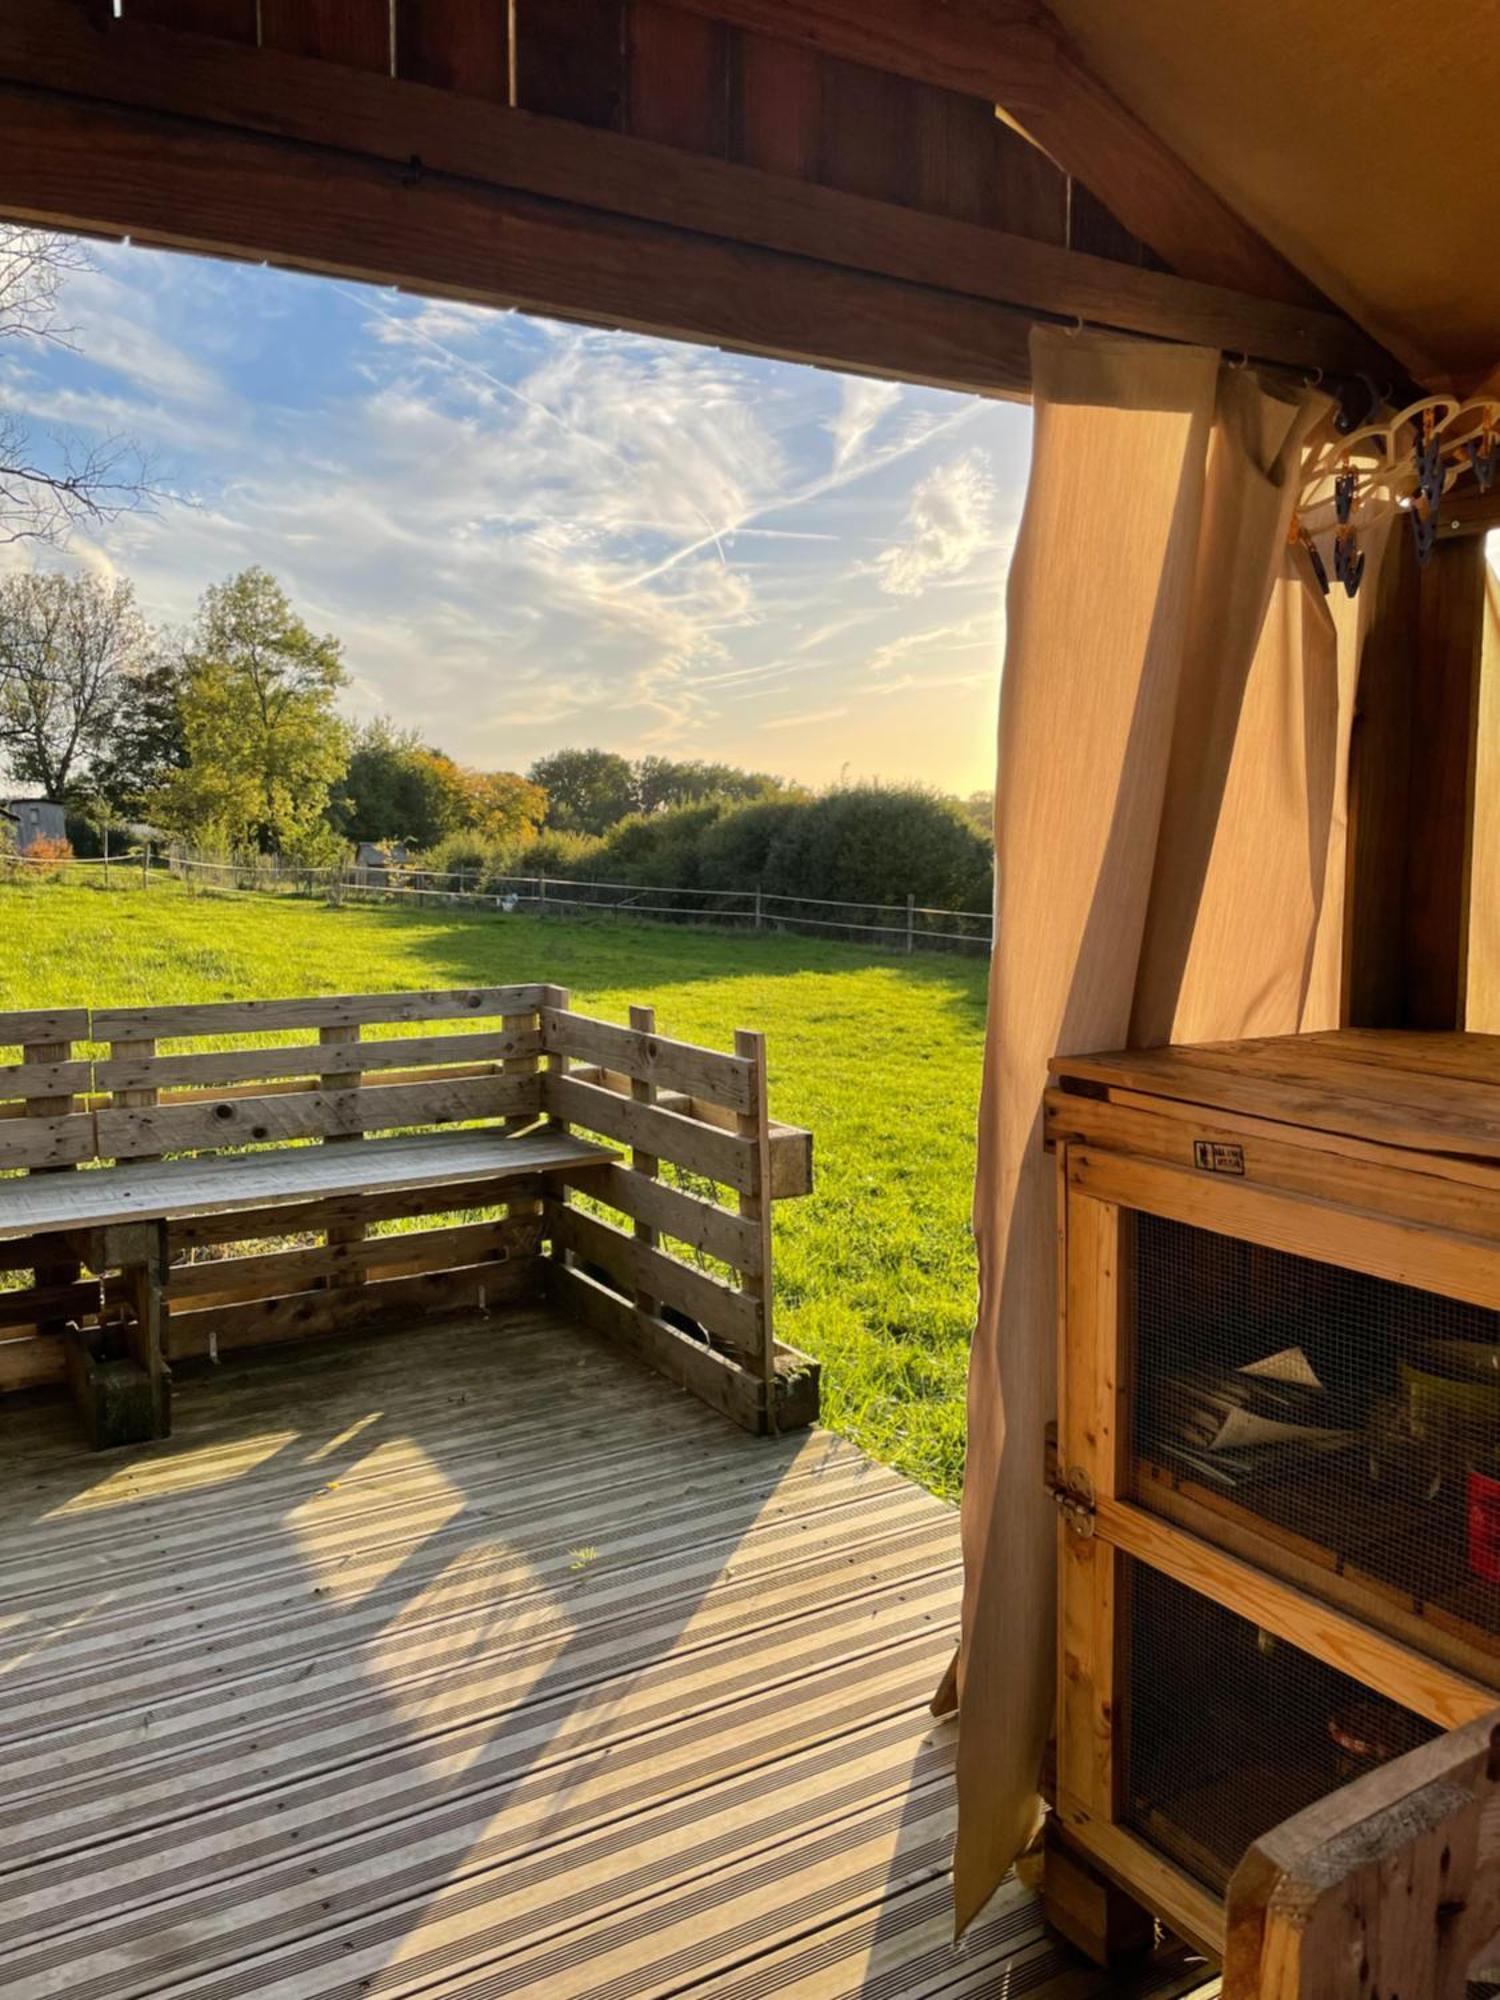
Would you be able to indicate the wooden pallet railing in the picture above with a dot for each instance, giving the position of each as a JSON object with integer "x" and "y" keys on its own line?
{"x": 683, "y": 1278}
{"x": 641, "y": 1246}
{"x": 1386, "y": 1890}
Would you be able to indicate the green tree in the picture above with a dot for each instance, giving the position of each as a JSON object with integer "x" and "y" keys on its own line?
{"x": 396, "y": 789}
{"x": 265, "y": 744}
{"x": 148, "y": 742}
{"x": 662, "y": 782}
{"x": 587, "y": 790}
{"x": 68, "y": 648}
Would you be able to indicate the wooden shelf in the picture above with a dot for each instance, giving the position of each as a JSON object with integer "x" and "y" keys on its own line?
{"x": 1393, "y": 1576}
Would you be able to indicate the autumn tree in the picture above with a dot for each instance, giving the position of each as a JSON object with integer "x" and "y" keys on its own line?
{"x": 264, "y": 741}
{"x": 70, "y": 647}
{"x": 503, "y": 806}
{"x": 396, "y": 788}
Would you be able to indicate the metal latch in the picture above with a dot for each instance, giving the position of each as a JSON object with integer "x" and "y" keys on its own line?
{"x": 1075, "y": 1498}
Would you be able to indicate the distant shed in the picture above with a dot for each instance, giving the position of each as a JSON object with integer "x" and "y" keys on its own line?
{"x": 32, "y": 820}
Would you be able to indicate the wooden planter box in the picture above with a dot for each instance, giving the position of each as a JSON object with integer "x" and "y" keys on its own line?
{"x": 1279, "y": 1406}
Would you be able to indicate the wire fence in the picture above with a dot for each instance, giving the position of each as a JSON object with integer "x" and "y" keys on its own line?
{"x": 906, "y": 926}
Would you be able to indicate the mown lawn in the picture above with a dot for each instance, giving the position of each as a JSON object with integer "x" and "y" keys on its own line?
{"x": 879, "y": 1056}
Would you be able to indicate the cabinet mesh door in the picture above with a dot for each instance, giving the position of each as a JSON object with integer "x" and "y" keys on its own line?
{"x": 1338, "y": 1429}
{"x": 1228, "y": 1731}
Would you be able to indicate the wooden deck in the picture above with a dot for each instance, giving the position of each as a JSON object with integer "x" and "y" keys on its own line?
{"x": 480, "y": 1663}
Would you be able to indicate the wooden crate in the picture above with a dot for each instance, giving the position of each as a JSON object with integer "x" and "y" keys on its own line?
{"x": 1349, "y": 1184}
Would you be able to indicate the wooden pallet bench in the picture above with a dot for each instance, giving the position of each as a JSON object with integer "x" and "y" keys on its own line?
{"x": 161, "y": 1157}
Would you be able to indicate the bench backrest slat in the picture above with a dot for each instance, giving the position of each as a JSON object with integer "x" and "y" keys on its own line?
{"x": 348, "y": 1010}
{"x": 209, "y": 1123}
{"x": 309, "y": 1059}
{"x": 41, "y": 1124}
{"x": 298, "y": 1069}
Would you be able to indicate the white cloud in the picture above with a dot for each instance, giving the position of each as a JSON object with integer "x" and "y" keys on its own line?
{"x": 527, "y": 533}
{"x": 864, "y": 403}
{"x": 946, "y": 526}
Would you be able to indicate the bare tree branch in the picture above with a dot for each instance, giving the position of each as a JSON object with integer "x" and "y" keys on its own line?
{"x": 45, "y": 495}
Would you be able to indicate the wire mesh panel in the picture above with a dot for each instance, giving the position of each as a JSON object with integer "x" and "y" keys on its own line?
{"x": 1228, "y": 1731}
{"x": 1335, "y": 1428}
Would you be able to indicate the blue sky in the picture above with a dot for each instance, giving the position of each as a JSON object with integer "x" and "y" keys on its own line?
{"x": 529, "y": 534}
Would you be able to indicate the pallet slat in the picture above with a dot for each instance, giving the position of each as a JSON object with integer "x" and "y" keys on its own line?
{"x": 211, "y": 1066}
{"x": 255, "y": 1017}
{"x": 244, "y": 1121}
{"x": 650, "y": 1058}
{"x": 405, "y": 1255}
{"x": 704, "y": 1224}
{"x": 46, "y": 1142}
{"x": 311, "y": 1314}
{"x": 730, "y": 1316}
{"x": 43, "y": 1024}
{"x": 44, "y": 1079}
{"x": 229, "y": 1182}
{"x": 670, "y": 1135}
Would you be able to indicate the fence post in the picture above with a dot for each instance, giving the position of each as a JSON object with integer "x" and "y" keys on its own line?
{"x": 106, "y": 854}
{"x": 145, "y": 864}
{"x": 541, "y": 895}
{"x": 759, "y": 914}
{"x": 911, "y": 922}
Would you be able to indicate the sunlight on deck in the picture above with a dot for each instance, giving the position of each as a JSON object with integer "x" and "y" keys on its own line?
{"x": 482, "y": 1663}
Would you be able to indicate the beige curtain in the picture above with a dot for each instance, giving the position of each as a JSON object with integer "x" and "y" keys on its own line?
{"x": 1169, "y": 848}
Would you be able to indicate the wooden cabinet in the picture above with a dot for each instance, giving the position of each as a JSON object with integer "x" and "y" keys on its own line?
{"x": 1278, "y": 1457}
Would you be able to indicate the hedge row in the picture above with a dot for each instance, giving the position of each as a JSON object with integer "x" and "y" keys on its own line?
{"x": 861, "y": 844}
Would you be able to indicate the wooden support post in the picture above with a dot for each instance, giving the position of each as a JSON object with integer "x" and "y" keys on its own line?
{"x": 911, "y": 924}
{"x": 137, "y": 1050}
{"x": 143, "y": 1263}
{"x": 643, "y": 1020}
{"x": 1412, "y": 790}
{"x": 760, "y": 920}
{"x": 1090, "y": 1911}
{"x": 1445, "y": 721}
{"x": 342, "y": 1233}
{"x": 126, "y": 1398}
{"x": 755, "y": 1207}
{"x": 60, "y": 1269}
{"x": 556, "y": 1065}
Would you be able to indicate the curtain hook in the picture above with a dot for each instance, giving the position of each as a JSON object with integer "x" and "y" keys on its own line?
{"x": 1076, "y": 328}
{"x": 1230, "y": 362}
{"x": 1315, "y": 380}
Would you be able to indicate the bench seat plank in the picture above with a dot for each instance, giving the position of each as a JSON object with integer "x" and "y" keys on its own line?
{"x": 168, "y": 1190}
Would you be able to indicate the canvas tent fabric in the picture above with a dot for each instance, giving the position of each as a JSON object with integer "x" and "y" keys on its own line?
{"x": 1359, "y": 141}
{"x": 1175, "y": 715}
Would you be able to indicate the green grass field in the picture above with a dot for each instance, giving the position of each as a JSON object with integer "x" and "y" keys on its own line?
{"x": 879, "y": 1056}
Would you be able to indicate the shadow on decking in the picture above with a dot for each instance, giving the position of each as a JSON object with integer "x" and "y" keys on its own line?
{"x": 476, "y": 1662}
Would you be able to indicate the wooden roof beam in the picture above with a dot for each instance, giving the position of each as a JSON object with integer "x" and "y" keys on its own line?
{"x": 908, "y": 268}
{"x": 1015, "y": 55}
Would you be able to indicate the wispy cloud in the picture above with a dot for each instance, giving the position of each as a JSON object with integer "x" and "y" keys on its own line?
{"x": 527, "y": 533}
{"x": 945, "y": 528}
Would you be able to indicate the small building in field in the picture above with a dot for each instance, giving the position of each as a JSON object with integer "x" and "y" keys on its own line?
{"x": 376, "y": 860}
{"x": 31, "y": 820}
